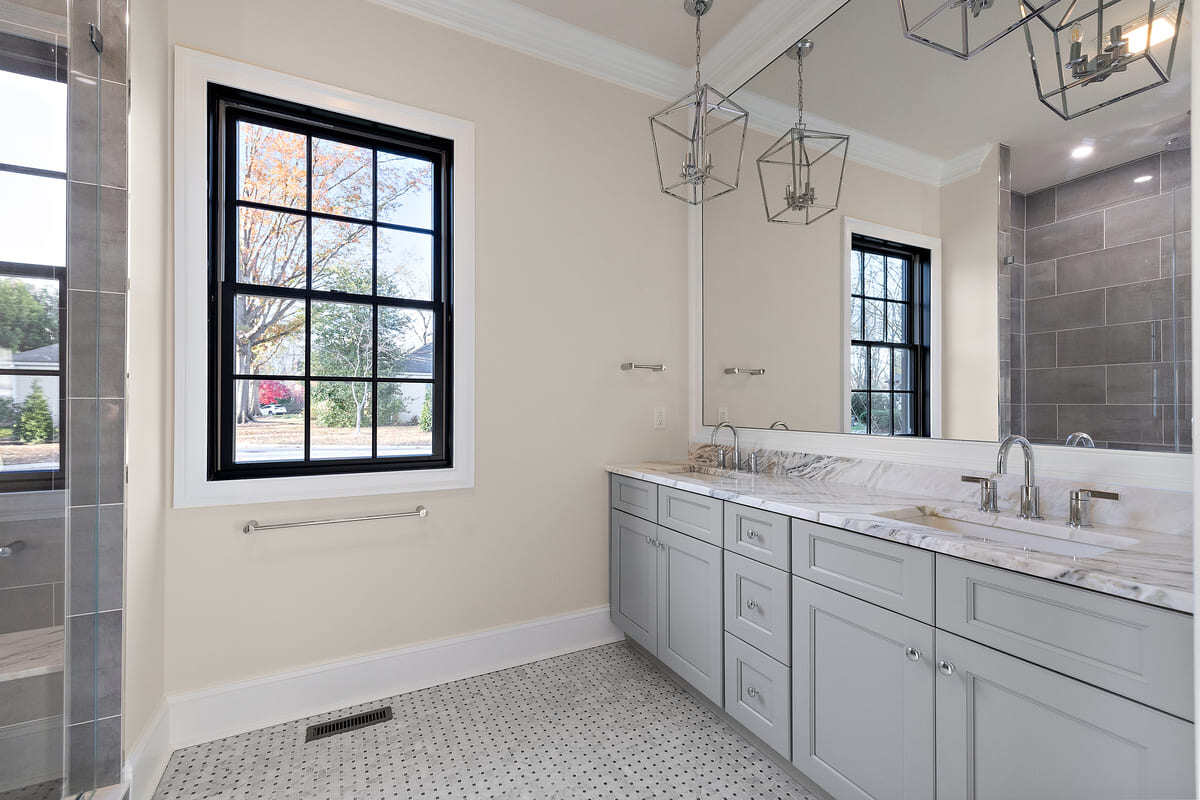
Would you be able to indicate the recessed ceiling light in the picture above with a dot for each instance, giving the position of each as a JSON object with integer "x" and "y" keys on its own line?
{"x": 1082, "y": 151}
{"x": 1143, "y": 178}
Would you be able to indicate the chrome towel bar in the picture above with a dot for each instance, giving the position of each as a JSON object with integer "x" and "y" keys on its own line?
{"x": 744, "y": 371}
{"x": 628, "y": 365}
{"x": 253, "y": 526}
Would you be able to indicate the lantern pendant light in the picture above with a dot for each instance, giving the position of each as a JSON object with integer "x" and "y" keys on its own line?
{"x": 961, "y": 28}
{"x": 698, "y": 139}
{"x": 801, "y": 173}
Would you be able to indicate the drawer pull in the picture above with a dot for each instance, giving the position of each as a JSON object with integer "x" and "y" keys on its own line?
{"x": 912, "y": 653}
{"x": 752, "y": 692}
{"x": 945, "y": 667}
{"x": 752, "y": 605}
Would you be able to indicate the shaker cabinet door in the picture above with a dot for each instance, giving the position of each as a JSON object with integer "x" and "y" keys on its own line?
{"x": 689, "y": 611}
{"x": 1009, "y": 729}
{"x": 862, "y": 697}
{"x": 633, "y": 578}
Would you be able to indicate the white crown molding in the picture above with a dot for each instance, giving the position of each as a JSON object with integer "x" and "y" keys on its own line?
{"x": 517, "y": 27}
{"x": 760, "y": 36}
{"x": 753, "y": 43}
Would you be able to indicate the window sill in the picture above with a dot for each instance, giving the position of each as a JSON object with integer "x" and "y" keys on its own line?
{"x": 200, "y": 493}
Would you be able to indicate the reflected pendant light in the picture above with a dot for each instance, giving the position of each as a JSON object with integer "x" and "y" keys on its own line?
{"x": 698, "y": 139}
{"x": 960, "y": 28}
{"x": 1100, "y": 52}
{"x": 801, "y": 173}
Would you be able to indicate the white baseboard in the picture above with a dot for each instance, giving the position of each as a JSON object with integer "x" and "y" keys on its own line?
{"x": 194, "y": 717}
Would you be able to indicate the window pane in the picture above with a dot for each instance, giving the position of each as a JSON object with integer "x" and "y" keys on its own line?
{"x": 405, "y": 264}
{"x": 897, "y": 322}
{"x": 881, "y": 414}
{"x": 897, "y": 277}
{"x": 858, "y": 367}
{"x": 269, "y": 421}
{"x": 342, "y": 182}
{"x": 271, "y": 166}
{"x": 405, "y": 419}
{"x": 904, "y": 414}
{"x": 28, "y": 323}
{"x": 342, "y": 340}
{"x": 856, "y": 318}
{"x": 902, "y": 369}
{"x": 341, "y": 420}
{"x": 269, "y": 335}
{"x": 873, "y": 320}
{"x": 856, "y": 272}
{"x": 29, "y": 422}
{"x": 40, "y": 140}
{"x": 873, "y": 274}
{"x": 33, "y": 219}
{"x": 881, "y": 368}
{"x": 272, "y": 250}
{"x": 341, "y": 256}
{"x": 860, "y": 404}
{"x": 405, "y": 190}
{"x": 405, "y": 343}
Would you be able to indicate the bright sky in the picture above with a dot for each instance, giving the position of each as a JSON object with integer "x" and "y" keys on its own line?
{"x": 33, "y": 210}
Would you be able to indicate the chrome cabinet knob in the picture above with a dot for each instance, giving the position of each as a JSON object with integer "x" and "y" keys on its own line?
{"x": 752, "y": 692}
{"x": 945, "y": 667}
{"x": 752, "y": 534}
{"x": 912, "y": 654}
{"x": 753, "y": 605}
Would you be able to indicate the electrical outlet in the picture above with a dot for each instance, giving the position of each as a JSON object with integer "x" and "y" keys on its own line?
{"x": 660, "y": 418}
{"x": 723, "y": 414}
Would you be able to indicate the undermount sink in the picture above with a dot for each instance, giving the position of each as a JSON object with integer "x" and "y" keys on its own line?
{"x": 1026, "y": 534}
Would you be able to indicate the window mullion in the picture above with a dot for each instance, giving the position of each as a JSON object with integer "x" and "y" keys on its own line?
{"x": 308, "y": 182}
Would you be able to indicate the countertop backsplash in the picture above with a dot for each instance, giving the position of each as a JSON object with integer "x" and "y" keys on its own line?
{"x": 1158, "y": 510}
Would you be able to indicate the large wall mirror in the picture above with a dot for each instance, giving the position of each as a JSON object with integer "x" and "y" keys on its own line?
{"x": 1003, "y": 257}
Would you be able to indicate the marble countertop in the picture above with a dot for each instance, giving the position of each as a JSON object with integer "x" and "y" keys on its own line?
{"x": 27, "y": 653}
{"x": 1153, "y": 568}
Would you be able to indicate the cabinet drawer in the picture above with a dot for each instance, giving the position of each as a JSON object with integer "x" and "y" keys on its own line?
{"x": 757, "y": 607}
{"x": 632, "y": 496}
{"x": 761, "y": 535}
{"x": 758, "y": 694}
{"x": 891, "y": 575}
{"x": 1135, "y": 650}
{"x": 694, "y": 514}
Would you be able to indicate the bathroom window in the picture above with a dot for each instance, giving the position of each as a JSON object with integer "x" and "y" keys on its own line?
{"x": 889, "y": 336}
{"x": 33, "y": 217}
{"x": 329, "y": 311}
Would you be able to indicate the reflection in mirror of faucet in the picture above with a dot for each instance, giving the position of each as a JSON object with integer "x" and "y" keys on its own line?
{"x": 779, "y": 425}
{"x": 1080, "y": 439}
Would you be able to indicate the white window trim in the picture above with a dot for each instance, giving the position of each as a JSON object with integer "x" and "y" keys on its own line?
{"x": 194, "y": 70}
{"x": 850, "y": 227}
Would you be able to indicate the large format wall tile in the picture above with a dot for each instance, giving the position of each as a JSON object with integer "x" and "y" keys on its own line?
{"x": 1067, "y": 385}
{"x": 1103, "y": 189}
{"x": 1060, "y": 312}
{"x": 1143, "y": 219}
{"x": 1112, "y": 423}
{"x": 1176, "y": 169}
{"x": 1120, "y": 344}
{"x": 1179, "y": 248}
{"x": 1040, "y": 280}
{"x": 1065, "y": 238}
{"x": 96, "y": 555}
{"x": 42, "y": 559}
{"x": 1148, "y": 300}
{"x": 34, "y": 697}
{"x": 1145, "y": 383}
{"x": 1039, "y": 208}
{"x": 1109, "y": 267}
{"x": 26, "y": 607}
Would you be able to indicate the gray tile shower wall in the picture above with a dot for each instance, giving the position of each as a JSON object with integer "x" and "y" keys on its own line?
{"x": 96, "y": 272}
{"x": 1106, "y": 302}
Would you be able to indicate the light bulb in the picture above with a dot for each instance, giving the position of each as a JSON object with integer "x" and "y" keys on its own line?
{"x": 1076, "y": 34}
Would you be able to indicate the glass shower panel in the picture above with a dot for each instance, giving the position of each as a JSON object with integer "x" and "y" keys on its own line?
{"x": 33, "y": 317}
{"x": 1176, "y": 266}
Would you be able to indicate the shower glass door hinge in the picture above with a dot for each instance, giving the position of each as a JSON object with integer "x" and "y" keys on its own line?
{"x": 95, "y": 37}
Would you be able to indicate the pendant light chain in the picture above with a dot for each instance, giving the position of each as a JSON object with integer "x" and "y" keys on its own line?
{"x": 698, "y": 51}
{"x": 800, "y": 88}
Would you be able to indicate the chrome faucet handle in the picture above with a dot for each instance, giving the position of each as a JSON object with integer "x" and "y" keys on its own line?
{"x": 987, "y": 491}
{"x": 1031, "y": 507}
{"x": 11, "y": 549}
{"x": 1079, "y": 516}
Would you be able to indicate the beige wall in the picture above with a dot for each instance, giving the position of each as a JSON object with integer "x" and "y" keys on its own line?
{"x": 970, "y": 311}
{"x": 581, "y": 265}
{"x": 771, "y": 295}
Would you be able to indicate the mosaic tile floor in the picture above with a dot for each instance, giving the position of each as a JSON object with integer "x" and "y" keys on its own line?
{"x": 599, "y": 723}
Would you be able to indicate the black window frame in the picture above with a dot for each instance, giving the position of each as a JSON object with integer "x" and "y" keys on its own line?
{"x": 228, "y": 106}
{"x": 36, "y": 59}
{"x": 917, "y": 320}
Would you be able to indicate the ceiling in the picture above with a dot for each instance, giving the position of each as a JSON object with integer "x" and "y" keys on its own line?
{"x": 865, "y": 75}
{"x": 658, "y": 27}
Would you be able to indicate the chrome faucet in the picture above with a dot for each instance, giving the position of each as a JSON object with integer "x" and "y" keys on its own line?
{"x": 737, "y": 453}
{"x": 1080, "y": 516}
{"x": 1080, "y": 439}
{"x": 1030, "y": 507}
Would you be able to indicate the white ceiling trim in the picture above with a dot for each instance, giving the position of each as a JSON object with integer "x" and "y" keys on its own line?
{"x": 773, "y": 117}
{"x": 518, "y": 27}
{"x": 764, "y": 33}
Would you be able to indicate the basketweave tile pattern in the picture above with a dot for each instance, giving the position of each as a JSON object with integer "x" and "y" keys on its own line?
{"x": 599, "y": 723}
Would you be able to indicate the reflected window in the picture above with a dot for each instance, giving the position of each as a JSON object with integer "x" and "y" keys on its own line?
{"x": 331, "y": 309}
{"x": 889, "y": 339}
{"x": 33, "y": 235}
